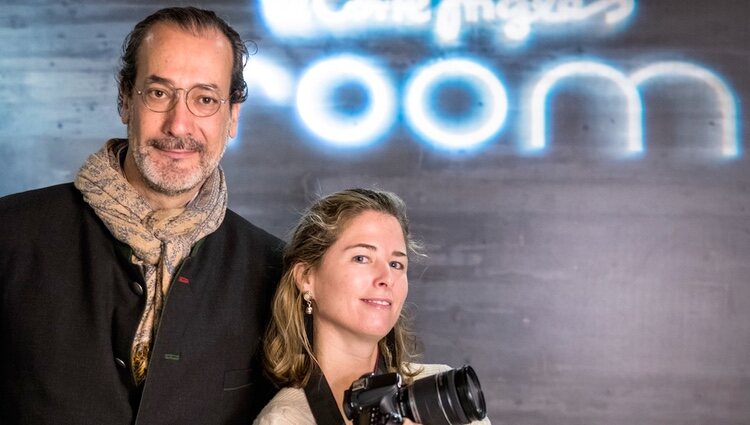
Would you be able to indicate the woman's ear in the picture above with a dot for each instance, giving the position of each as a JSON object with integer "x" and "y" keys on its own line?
{"x": 302, "y": 277}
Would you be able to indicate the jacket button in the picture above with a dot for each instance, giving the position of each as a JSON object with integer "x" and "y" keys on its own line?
{"x": 120, "y": 363}
{"x": 137, "y": 288}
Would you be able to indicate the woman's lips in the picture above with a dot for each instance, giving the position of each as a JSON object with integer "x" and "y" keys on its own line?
{"x": 377, "y": 302}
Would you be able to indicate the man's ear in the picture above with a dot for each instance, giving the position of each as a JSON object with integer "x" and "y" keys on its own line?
{"x": 234, "y": 117}
{"x": 125, "y": 110}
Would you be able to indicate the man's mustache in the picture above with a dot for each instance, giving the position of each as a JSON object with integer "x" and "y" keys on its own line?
{"x": 176, "y": 143}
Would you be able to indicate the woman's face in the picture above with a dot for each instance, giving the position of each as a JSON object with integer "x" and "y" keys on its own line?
{"x": 361, "y": 284}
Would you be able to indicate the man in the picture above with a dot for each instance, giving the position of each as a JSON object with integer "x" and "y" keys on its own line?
{"x": 134, "y": 295}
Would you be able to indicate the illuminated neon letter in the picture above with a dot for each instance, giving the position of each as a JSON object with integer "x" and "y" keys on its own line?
{"x": 727, "y": 103}
{"x": 271, "y": 79}
{"x": 450, "y": 15}
{"x": 288, "y": 18}
{"x": 346, "y": 14}
{"x": 588, "y": 69}
{"x": 315, "y": 109}
{"x": 443, "y": 135}
{"x": 514, "y": 18}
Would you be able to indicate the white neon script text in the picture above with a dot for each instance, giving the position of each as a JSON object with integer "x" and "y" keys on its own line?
{"x": 514, "y": 19}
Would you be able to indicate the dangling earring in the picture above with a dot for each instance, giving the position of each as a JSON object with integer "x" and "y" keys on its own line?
{"x": 308, "y": 300}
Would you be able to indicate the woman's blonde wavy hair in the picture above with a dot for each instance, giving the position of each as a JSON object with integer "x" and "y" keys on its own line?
{"x": 288, "y": 354}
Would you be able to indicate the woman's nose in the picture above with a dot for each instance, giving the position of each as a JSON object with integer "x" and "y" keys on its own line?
{"x": 385, "y": 274}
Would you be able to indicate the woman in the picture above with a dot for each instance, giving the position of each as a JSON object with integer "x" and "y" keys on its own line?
{"x": 338, "y": 310}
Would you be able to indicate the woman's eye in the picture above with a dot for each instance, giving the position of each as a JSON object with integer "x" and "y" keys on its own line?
{"x": 397, "y": 265}
{"x": 359, "y": 259}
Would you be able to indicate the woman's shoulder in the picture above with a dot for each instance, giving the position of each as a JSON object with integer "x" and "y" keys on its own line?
{"x": 427, "y": 369}
{"x": 288, "y": 407}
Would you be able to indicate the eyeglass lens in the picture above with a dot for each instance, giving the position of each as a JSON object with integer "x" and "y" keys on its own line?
{"x": 201, "y": 101}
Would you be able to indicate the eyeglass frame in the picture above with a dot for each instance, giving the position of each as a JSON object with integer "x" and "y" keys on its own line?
{"x": 173, "y": 103}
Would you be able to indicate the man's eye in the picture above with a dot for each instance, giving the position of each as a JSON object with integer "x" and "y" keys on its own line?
{"x": 204, "y": 97}
{"x": 157, "y": 94}
{"x": 206, "y": 100}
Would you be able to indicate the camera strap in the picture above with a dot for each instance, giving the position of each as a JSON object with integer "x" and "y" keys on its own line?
{"x": 321, "y": 400}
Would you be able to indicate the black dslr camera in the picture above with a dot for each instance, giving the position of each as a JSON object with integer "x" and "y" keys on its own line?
{"x": 450, "y": 397}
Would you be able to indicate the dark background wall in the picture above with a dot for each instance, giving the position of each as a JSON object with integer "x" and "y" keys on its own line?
{"x": 586, "y": 283}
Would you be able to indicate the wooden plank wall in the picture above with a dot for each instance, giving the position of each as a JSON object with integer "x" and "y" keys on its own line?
{"x": 584, "y": 287}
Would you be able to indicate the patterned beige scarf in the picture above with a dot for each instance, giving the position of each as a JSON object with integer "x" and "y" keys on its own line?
{"x": 160, "y": 239}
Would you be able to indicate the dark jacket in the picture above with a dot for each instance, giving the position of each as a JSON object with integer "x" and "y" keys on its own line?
{"x": 70, "y": 302}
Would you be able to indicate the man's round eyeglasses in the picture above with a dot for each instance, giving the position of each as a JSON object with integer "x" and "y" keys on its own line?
{"x": 201, "y": 101}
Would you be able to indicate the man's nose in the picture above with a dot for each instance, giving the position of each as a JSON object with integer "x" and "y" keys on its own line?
{"x": 178, "y": 120}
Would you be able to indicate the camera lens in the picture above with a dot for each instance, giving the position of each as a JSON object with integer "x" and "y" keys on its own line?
{"x": 448, "y": 398}
{"x": 470, "y": 394}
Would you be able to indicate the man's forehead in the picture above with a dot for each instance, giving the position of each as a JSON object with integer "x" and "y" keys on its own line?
{"x": 165, "y": 42}
{"x": 168, "y": 31}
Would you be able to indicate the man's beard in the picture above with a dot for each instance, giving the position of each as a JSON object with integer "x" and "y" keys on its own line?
{"x": 164, "y": 176}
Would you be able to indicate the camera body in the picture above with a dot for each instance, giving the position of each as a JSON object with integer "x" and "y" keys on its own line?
{"x": 447, "y": 398}
{"x": 373, "y": 399}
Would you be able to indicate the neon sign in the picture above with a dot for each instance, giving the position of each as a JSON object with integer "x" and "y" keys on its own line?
{"x": 725, "y": 98}
{"x": 448, "y": 19}
{"x": 415, "y": 100}
{"x": 469, "y": 133}
{"x": 346, "y": 129}
{"x": 482, "y": 124}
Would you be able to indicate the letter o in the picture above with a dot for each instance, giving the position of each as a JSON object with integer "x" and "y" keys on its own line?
{"x": 471, "y": 134}
{"x": 333, "y": 127}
